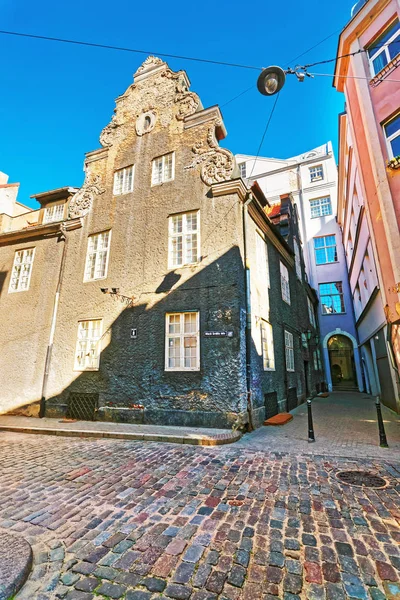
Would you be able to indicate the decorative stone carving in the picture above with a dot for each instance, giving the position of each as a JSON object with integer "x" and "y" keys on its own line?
{"x": 145, "y": 122}
{"x": 151, "y": 61}
{"x": 187, "y": 104}
{"x": 107, "y": 135}
{"x": 82, "y": 202}
{"x": 217, "y": 163}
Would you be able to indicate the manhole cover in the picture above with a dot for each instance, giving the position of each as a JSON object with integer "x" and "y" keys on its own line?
{"x": 361, "y": 479}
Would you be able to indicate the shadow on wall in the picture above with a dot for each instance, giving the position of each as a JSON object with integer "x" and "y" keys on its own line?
{"x": 133, "y": 384}
{"x": 3, "y": 275}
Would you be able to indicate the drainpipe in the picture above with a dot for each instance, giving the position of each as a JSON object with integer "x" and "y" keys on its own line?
{"x": 248, "y": 315}
{"x": 42, "y": 410}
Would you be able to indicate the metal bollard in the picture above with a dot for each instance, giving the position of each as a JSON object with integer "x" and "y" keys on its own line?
{"x": 382, "y": 435}
{"x": 311, "y": 436}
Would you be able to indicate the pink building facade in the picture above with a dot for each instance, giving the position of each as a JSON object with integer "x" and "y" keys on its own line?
{"x": 369, "y": 186}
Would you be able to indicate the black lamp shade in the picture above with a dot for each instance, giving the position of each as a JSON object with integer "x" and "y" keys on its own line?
{"x": 271, "y": 81}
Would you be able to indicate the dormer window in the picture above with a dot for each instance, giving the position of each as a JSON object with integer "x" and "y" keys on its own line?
{"x": 53, "y": 213}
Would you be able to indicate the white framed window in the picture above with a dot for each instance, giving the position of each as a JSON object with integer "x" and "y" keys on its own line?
{"x": 87, "y": 355}
{"x": 311, "y": 314}
{"x": 123, "y": 180}
{"x": 315, "y": 357}
{"x": 392, "y": 134}
{"x": 163, "y": 169}
{"x": 53, "y": 213}
{"x": 262, "y": 264}
{"x": 184, "y": 239}
{"x": 267, "y": 344}
{"x": 325, "y": 249}
{"x": 97, "y": 256}
{"x": 321, "y": 207}
{"x": 22, "y": 270}
{"x": 385, "y": 48}
{"x": 182, "y": 342}
{"x": 331, "y": 298}
{"x": 242, "y": 169}
{"x": 316, "y": 173}
{"x": 289, "y": 351}
{"x": 285, "y": 286}
{"x": 297, "y": 260}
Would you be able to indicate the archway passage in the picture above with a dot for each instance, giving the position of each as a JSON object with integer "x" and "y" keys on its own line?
{"x": 341, "y": 360}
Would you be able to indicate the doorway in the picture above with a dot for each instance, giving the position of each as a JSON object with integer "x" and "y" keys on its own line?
{"x": 341, "y": 361}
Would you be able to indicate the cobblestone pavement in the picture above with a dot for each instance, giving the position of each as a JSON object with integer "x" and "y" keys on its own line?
{"x": 345, "y": 425}
{"x": 141, "y": 521}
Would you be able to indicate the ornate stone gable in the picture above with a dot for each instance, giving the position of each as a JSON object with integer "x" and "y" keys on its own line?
{"x": 82, "y": 201}
{"x": 157, "y": 92}
{"x": 217, "y": 163}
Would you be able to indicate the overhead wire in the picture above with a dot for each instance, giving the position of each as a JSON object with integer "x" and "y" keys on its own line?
{"x": 265, "y": 133}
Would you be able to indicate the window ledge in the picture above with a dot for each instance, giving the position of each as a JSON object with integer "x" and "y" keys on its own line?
{"x": 332, "y": 314}
{"x": 379, "y": 77}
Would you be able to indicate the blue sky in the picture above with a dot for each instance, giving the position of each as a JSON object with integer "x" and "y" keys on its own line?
{"x": 55, "y": 98}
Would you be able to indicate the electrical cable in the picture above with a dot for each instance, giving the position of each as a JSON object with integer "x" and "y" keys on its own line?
{"x": 265, "y": 133}
{"x": 238, "y": 96}
{"x": 353, "y": 77}
{"x": 313, "y": 47}
{"x": 123, "y": 49}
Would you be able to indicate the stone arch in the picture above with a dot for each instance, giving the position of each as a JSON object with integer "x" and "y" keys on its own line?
{"x": 356, "y": 351}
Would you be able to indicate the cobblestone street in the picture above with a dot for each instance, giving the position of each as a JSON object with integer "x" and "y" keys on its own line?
{"x": 140, "y": 521}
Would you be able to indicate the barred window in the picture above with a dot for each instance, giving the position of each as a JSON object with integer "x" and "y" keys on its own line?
{"x": 22, "y": 270}
{"x": 182, "y": 351}
{"x": 53, "y": 213}
{"x": 321, "y": 207}
{"x": 289, "y": 351}
{"x": 88, "y": 345}
{"x": 267, "y": 342}
{"x": 123, "y": 181}
{"x": 97, "y": 256}
{"x": 163, "y": 169}
{"x": 285, "y": 286}
{"x": 184, "y": 239}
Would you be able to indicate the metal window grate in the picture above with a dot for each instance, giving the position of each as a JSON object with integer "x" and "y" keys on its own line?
{"x": 82, "y": 406}
{"x": 271, "y": 404}
{"x": 291, "y": 398}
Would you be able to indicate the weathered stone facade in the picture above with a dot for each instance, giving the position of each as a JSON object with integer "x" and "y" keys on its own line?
{"x": 157, "y": 115}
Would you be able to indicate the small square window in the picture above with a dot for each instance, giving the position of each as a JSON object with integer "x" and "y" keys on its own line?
{"x": 321, "y": 207}
{"x": 316, "y": 173}
{"x": 123, "y": 181}
{"x": 331, "y": 298}
{"x": 325, "y": 249}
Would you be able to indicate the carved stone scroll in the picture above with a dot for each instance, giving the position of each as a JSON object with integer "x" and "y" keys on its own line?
{"x": 217, "y": 163}
{"x": 82, "y": 201}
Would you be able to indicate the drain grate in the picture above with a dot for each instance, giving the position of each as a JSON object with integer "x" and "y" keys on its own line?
{"x": 361, "y": 479}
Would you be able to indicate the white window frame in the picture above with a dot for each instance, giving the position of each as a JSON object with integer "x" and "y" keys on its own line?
{"x": 125, "y": 188}
{"x": 24, "y": 253}
{"x": 285, "y": 283}
{"x": 242, "y": 169}
{"x": 297, "y": 260}
{"x": 267, "y": 345}
{"x": 331, "y": 295}
{"x": 94, "y": 339}
{"x": 325, "y": 248}
{"x": 391, "y": 137}
{"x": 155, "y": 181}
{"x": 181, "y": 335}
{"x": 183, "y": 234}
{"x": 317, "y": 209}
{"x": 383, "y": 49}
{"x": 52, "y": 213}
{"x": 313, "y": 173}
{"x": 96, "y": 253}
{"x": 289, "y": 352}
{"x": 311, "y": 313}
